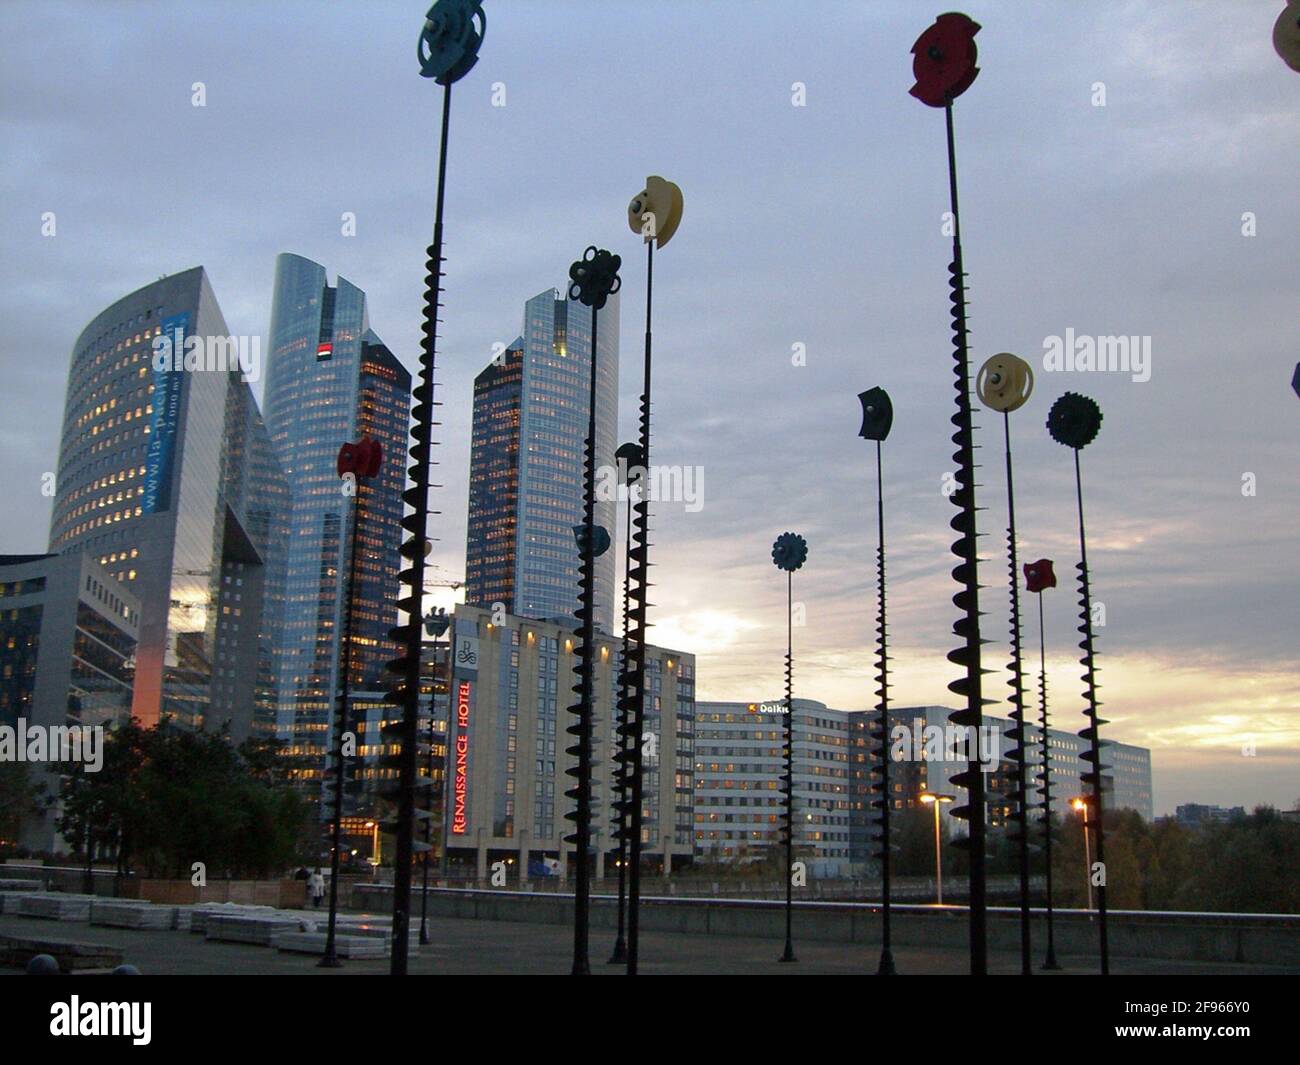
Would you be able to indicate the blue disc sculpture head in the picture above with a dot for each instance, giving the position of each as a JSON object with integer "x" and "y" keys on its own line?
{"x": 790, "y": 551}
{"x": 877, "y": 414}
{"x": 591, "y": 538}
{"x": 594, "y": 277}
{"x": 1074, "y": 420}
{"x": 450, "y": 40}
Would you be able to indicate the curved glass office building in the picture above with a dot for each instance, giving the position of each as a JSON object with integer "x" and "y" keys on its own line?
{"x": 161, "y": 438}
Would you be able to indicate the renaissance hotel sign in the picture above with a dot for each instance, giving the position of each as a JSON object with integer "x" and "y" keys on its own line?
{"x": 460, "y": 774}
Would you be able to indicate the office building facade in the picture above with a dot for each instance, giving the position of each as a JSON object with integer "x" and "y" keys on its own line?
{"x": 155, "y": 481}
{"x": 506, "y": 719}
{"x": 68, "y": 635}
{"x": 526, "y": 462}
{"x": 331, "y": 380}
{"x": 739, "y": 757}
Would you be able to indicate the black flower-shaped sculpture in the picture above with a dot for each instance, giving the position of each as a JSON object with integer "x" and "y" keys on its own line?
{"x": 877, "y": 414}
{"x": 790, "y": 551}
{"x": 450, "y": 40}
{"x": 1074, "y": 420}
{"x": 594, "y": 277}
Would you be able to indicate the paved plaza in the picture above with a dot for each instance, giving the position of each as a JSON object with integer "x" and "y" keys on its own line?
{"x": 480, "y": 947}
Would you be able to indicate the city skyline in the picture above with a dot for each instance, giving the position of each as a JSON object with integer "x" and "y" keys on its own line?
{"x": 1146, "y": 197}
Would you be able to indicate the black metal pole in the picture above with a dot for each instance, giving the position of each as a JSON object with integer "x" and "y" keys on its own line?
{"x": 886, "y": 967}
{"x": 428, "y": 823}
{"x": 581, "y": 729}
{"x": 619, "y": 956}
{"x": 1050, "y": 962}
{"x": 1093, "y": 755}
{"x": 418, "y": 499}
{"x": 330, "y": 959}
{"x": 1020, "y": 800}
{"x": 788, "y": 776}
{"x": 966, "y": 548}
{"x": 641, "y": 560}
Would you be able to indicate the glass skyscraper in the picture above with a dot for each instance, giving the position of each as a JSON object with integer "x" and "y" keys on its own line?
{"x": 331, "y": 380}
{"x": 167, "y": 480}
{"x": 526, "y": 475}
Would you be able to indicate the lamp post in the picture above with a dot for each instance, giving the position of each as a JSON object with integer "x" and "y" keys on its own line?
{"x": 357, "y": 462}
{"x": 654, "y": 213}
{"x": 436, "y": 623}
{"x": 944, "y": 59}
{"x": 1080, "y": 806}
{"x": 877, "y": 419}
{"x": 592, "y": 280}
{"x": 936, "y": 800}
{"x": 789, "y": 553}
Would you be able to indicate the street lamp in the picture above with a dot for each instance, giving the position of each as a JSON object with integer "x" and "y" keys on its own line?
{"x": 936, "y": 800}
{"x": 1080, "y": 805}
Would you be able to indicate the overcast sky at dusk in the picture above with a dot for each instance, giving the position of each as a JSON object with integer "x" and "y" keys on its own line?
{"x": 816, "y": 225}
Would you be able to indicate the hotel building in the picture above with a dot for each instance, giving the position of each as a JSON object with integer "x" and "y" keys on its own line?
{"x": 510, "y": 689}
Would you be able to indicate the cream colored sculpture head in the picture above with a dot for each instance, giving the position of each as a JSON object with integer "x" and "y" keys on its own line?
{"x": 1004, "y": 382}
{"x": 656, "y": 211}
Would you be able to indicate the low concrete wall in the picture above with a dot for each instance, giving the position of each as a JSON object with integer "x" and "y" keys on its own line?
{"x": 282, "y": 894}
{"x": 1247, "y": 938}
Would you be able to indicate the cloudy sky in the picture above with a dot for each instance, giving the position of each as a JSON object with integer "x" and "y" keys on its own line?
{"x": 1114, "y": 162}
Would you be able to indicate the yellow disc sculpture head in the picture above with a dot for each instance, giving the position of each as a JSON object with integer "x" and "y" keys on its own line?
{"x": 656, "y": 211}
{"x": 1286, "y": 35}
{"x": 1004, "y": 382}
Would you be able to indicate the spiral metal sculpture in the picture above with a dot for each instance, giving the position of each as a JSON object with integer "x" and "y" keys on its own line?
{"x": 944, "y": 59}
{"x": 446, "y": 51}
{"x": 1074, "y": 421}
{"x": 654, "y": 213}
{"x": 789, "y": 553}
{"x": 592, "y": 280}
{"x": 1004, "y": 383}
{"x": 877, "y": 419}
{"x": 1039, "y": 576}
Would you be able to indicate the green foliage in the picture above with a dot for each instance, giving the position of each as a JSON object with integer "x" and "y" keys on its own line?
{"x": 19, "y": 802}
{"x": 166, "y": 799}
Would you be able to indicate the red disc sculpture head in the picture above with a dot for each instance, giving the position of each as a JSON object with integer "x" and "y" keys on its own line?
{"x": 1039, "y": 575}
{"x": 943, "y": 59}
{"x": 362, "y": 459}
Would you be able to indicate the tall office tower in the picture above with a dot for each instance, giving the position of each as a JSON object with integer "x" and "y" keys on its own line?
{"x": 330, "y": 380}
{"x": 166, "y": 478}
{"x": 526, "y": 470}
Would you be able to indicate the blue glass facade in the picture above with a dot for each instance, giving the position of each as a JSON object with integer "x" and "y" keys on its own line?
{"x": 155, "y": 483}
{"x": 329, "y": 380}
{"x": 526, "y": 475}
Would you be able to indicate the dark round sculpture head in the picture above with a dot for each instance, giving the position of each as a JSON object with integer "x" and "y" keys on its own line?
{"x": 450, "y": 40}
{"x": 943, "y": 59}
{"x": 790, "y": 551}
{"x": 594, "y": 277}
{"x": 1074, "y": 420}
{"x": 126, "y": 970}
{"x": 42, "y": 965}
{"x": 877, "y": 414}
{"x": 630, "y": 460}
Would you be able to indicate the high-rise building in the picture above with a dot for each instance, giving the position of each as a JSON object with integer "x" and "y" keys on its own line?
{"x": 165, "y": 477}
{"x": 526, "y": 462}
{"x": 506, "y": 746}
{"x": 331, "y": 380}
{"x": 68, "y": 632}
